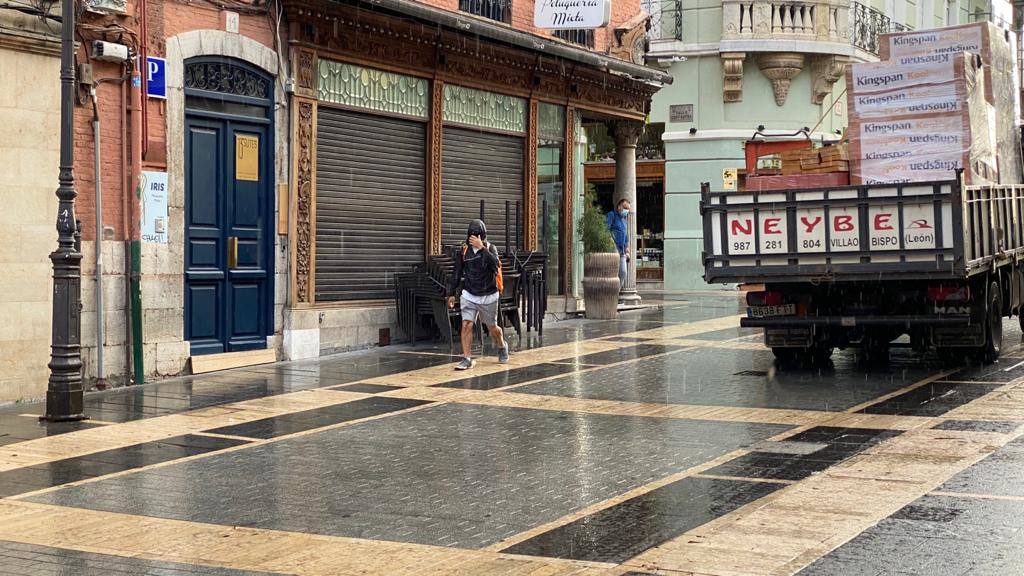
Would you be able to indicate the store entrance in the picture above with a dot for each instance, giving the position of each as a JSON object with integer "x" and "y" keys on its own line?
{"x": 650, "y": 214}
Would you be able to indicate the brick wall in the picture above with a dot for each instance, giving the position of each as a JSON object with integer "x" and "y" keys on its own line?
{"x": 165, "y": 19}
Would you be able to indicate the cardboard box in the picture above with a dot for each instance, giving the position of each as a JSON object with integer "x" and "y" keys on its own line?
{"x": 922, "y": 119}
{"x": 997, "y": 50}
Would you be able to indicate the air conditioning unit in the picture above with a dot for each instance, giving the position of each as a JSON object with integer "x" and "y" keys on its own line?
{"x": 107, "y": 6}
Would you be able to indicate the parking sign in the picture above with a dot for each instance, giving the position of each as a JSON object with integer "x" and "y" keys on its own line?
{"x": 156, "y": 77}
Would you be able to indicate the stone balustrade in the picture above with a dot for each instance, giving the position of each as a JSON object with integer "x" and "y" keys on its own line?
{"x": 822, "y": 21}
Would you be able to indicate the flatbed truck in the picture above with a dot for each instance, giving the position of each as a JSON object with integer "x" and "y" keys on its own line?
{"x": 862, "y": 266}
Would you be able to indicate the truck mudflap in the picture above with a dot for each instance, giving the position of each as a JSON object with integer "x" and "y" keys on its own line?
{"x": 856, "y": 321}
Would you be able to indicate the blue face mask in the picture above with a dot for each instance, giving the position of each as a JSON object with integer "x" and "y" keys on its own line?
{"x": 624, "y": 212}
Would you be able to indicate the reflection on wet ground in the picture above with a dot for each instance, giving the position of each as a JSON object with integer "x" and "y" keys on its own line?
{"x": 583, "y": 461}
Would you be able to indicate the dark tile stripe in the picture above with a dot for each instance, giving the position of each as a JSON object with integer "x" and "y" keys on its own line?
{"x": 366, "y": 388}
{"x": 511, "y": 377}
{"x": 32, "y": 478}
{"x": 839, "y": 444}
{"x": 318, "y": 417}
{"x": 979, "y": 426}
{"x": 24, "y": 559}
{"x": 934, "y": 399}
{"x": 624, "y": 354}
{"x": 618, "y": 533}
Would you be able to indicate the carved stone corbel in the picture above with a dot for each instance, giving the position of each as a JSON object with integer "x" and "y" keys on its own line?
{"x": 780, "y": 68}
{"x": 826, "y": 70}
{"x": 631, "y": 39}
{"x": 732, "y": 76}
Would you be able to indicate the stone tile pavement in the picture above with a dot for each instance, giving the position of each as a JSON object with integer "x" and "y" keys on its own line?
{"x": 665, "y": 442}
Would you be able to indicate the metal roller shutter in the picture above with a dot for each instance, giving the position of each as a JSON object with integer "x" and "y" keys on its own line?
{"x": 479, "y": 165}
{"x": 370, "y": 182}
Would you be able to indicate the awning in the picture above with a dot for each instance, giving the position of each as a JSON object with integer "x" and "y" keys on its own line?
{"x": 470, "y": 25}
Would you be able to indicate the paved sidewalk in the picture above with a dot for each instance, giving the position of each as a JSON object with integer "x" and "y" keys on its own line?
{"x": 665, "y": 442}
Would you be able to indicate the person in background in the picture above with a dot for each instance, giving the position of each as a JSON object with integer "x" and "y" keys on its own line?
{"x": 618, "y": 224}
{"x": 477, "y": 268}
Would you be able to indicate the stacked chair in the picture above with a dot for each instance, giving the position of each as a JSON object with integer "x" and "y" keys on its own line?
{"x": 421, "y": 294}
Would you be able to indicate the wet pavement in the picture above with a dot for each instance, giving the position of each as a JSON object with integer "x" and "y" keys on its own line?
{"x": 664, "y": 442}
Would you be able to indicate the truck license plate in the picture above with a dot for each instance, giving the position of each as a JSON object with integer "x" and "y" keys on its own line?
{"x": 769, "y": 311}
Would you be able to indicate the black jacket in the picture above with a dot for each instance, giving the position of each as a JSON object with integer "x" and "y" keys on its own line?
{"x": 477, "y": 272}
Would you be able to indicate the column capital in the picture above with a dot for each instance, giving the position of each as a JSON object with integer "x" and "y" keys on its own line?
{"x": 626, "y": 132}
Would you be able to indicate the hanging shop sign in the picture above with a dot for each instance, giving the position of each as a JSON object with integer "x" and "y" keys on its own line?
{"x": 571, "y": 14}
{"x": 154, "y": 207}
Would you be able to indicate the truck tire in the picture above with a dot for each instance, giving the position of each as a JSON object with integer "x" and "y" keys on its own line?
{"x": 993, "y": 327}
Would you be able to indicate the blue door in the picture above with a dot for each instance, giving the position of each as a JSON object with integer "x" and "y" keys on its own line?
{"x": 228, "y": 213}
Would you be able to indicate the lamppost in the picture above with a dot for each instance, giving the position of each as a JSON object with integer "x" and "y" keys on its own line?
{"x": 64, "y": 391}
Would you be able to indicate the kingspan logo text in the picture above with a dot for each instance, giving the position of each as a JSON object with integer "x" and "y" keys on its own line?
{"x": 915, "y": 40}
{"x": 880, "y": 80}
{"x": 886, "y": 128}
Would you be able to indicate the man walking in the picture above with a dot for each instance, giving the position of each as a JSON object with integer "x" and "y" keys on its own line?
{"x": 618, "y": 224}
{"x": 478, "y": 268}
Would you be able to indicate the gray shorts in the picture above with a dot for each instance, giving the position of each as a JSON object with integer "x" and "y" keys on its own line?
{"x": 485, "y": 313}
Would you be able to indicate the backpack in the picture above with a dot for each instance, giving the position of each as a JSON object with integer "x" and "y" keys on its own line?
{"x": 499, "y": 280}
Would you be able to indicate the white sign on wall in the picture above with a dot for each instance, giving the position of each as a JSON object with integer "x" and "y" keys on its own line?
{"x": 154, "y": 207}
{"x": 571, "y": 14}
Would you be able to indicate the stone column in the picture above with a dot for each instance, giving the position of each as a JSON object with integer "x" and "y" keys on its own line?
{"x": 627, "y": 133}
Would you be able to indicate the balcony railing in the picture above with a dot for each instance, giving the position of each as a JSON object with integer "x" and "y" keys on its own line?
{"x": 820, "y": 21}
{"x": 580, "y": 37}
{"x": 666, "y": 19}
{"x": 500, "y": 10}
{"x": 868, "y": 25}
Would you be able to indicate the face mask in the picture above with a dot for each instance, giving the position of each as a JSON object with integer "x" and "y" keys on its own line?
{"x": 624, "y": 212}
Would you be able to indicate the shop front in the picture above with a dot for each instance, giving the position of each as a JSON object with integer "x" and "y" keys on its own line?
{"x": 649, "y": 249}
{"x": 405, "y": 126}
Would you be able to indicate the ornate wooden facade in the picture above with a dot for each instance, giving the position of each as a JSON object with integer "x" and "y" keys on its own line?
{"x": 345, "y": 33}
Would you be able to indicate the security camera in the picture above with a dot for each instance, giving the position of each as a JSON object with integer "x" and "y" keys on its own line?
{"x": 110, "y": 52}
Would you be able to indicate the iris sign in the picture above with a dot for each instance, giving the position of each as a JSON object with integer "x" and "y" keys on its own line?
{"x": 571, "y": 14}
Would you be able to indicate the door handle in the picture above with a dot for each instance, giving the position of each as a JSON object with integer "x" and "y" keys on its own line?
{"x": 232, "y": 251}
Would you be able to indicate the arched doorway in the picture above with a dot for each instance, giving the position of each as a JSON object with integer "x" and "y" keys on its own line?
{"x": 229, "y": 171}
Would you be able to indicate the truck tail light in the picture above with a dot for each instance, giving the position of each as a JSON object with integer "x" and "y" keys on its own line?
{"x": 949, "y": 293}
{"x": 764, "y": 298}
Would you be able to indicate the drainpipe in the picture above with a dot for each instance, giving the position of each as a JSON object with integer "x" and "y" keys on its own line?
{"x": 135, "y": 264}
{"x": 101, "y": 381}
{"x": 126, "y": 187}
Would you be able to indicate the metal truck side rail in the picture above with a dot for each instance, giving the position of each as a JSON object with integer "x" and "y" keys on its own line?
{"x": 923, "y": 230}
{"x": 993, "y": 219}
{"x": 850, "y": 232}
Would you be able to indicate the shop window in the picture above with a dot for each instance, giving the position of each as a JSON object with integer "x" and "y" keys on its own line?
{"x": 500, "y": 10}
{"x": 583, "y": 38}
{"x": 550, "y": 190}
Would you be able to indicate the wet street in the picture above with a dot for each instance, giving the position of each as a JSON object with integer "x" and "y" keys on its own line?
{"x": 665, "y": 442}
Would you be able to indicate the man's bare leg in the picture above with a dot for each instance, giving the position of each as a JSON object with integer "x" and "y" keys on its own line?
{"x": 497, "y": 336}
{"x": 467, "y": 339}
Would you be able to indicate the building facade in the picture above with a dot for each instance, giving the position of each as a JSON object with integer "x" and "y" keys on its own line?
{"x": 249, "y": 193}
{"x": 775, "y": 64}
{"x": 29, "y": 96}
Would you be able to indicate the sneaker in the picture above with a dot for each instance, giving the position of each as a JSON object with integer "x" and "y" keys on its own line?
{"x": 466, "y": 364}
{"x": 503, "y": 354}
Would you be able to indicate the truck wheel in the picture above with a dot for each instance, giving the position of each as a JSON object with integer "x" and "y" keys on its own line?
{"x": 993, "y": 327}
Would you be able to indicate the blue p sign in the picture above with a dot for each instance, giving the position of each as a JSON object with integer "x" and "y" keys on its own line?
{"x": 156, "y": 77}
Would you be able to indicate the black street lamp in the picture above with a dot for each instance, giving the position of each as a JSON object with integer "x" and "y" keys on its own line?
{"x": 64, "y": 391}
